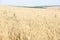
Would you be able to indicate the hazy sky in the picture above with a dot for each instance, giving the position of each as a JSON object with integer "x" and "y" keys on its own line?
{"x": 29, "y": 2}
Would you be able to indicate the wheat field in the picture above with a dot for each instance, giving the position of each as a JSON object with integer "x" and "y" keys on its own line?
{"x": 19, "y": 23}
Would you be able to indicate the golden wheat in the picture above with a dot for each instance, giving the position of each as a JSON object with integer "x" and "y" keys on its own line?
{"x": 29, "y": 23}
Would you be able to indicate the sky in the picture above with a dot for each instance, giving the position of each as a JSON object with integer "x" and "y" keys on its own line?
{"x": 29, "y": 2}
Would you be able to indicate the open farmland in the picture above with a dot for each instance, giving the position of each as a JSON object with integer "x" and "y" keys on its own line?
{"x": 19, "y": 23}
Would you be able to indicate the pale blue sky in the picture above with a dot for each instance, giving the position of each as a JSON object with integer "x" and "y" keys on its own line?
{"x": 29, "y": 2}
